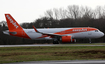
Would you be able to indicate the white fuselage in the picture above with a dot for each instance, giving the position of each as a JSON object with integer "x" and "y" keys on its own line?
{"x": 86, "y": 34}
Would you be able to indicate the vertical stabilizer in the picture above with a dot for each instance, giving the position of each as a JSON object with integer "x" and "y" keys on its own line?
{"x": 11, "y": 22}
{"x": 14, "y": 28}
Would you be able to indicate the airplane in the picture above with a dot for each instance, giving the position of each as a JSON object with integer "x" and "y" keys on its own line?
{"x": 58, "y": 35}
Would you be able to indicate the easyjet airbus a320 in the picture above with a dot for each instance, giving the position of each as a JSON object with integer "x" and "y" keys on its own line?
{"x": 56, "y": 34}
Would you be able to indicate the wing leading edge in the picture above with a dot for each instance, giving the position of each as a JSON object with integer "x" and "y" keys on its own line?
{"x": 49, "y": 34}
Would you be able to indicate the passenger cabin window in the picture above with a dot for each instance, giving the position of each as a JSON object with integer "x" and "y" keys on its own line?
{"x": 96, "y": 30}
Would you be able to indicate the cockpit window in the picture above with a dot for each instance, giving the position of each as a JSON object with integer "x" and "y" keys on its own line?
{"x": 96, "y": 30}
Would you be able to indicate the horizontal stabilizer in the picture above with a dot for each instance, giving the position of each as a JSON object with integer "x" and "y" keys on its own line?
{"x": 7, "y": 32}
{"x": 13, "y": 33}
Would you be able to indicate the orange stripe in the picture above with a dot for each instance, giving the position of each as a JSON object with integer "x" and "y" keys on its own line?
{"x": 75, "y": 30}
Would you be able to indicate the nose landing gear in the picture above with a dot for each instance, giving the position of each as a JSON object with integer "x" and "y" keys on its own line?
{"x": 89, "y": 40}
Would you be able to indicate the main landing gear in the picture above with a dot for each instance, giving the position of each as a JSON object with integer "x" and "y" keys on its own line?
{"x": 55, "y": 41}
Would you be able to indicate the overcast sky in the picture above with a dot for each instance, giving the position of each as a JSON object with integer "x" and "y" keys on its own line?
{"x": 30, "y": 10}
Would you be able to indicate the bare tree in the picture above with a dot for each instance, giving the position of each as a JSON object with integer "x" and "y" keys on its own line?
{"x": 86, "y": 12}
{"x": 56, "y": 13}
{"x": 73, "y": 11}
{"x": 62, "y": 13}
{"x": 99, "y": 11}
{"x": 49, "y": 13}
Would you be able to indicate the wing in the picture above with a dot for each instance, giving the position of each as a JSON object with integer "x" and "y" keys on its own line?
{"x": 49, "y": 34}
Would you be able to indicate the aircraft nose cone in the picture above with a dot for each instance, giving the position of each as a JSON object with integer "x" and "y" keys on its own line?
{"x": 99, "y": 35}
{"x": 102, "y": 34}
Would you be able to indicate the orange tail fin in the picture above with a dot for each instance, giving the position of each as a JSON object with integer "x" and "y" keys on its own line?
{"x": 12, "y": 24}
{"x": 14, "y": 28}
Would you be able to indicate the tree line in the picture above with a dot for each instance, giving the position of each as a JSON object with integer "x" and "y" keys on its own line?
{"x": 73, "y": 16}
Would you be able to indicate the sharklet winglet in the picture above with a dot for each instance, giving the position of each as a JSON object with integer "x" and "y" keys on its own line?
{"x": 35, "y": 29}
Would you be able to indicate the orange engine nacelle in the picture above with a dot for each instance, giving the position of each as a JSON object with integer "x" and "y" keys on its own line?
{"x": 68, "y": 39}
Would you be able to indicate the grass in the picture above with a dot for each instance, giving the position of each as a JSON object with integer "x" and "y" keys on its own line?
{"x": 42, "y": 53}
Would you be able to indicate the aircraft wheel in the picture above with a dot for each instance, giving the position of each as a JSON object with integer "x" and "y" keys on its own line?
{"x": 55, "y": 42}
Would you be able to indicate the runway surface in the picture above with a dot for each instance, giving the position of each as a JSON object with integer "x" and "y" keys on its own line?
{"x": 46, "y": 45}
{"x": 63, "y": 62}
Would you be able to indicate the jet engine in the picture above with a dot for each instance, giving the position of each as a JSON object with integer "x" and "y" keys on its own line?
{"x": 67, "y": 39}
